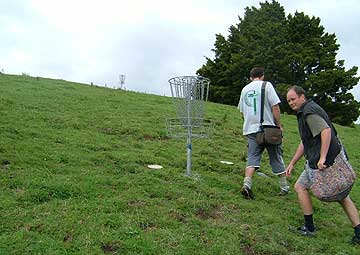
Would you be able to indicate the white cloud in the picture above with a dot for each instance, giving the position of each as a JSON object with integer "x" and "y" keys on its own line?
{"x": 148, "y": 41}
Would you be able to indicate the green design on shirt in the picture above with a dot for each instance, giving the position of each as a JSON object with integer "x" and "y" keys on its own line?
{"x": 250, "y": 99}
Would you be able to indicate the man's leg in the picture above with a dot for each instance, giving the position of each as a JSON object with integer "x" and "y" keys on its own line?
{"x": 284, "y": 187}
{"x": 353, "y": 215}
{"x": 278, "y": 167}
{"x": 307, "y": 208}
{"x": 253, "y": 162}
{"x": 350, "y": 210}
{"x": 246, "y": 189}
{"x": 249, "y": 172}
{"x": 304, "y": 199}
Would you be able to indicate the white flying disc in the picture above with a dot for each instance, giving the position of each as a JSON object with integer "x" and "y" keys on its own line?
{"x": 154, "y": 166}
{"x": 226, "y": 162}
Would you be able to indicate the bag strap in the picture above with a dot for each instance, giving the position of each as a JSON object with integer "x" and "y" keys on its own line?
{"x": 262, "y": 102}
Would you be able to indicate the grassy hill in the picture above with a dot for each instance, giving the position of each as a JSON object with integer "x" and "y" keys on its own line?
{"x": 74, "y": 179}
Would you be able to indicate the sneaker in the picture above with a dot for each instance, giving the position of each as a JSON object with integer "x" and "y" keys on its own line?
{"x": 355, "y": 240}
{"x": 247, "y": 193}
{"x": 304, "y": 231}
{"x": 283, "y": 192}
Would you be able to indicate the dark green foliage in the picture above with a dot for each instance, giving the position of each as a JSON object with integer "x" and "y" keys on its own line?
{"x": 295, "y": 50}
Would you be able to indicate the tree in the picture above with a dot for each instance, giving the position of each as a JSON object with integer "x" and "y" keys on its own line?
{"x": 295, "y": 50}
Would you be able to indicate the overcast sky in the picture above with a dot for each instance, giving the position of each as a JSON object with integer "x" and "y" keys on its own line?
{"x": 148, "y": 41}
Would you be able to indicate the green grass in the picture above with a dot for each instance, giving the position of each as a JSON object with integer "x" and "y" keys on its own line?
{"x": 74, "y": 179}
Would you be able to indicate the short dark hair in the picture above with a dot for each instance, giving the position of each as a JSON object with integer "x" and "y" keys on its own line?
{"x": 257, "y": 72}
{"x": 298, "y": 90}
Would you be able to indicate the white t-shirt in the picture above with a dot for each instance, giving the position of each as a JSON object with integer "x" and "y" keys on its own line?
{"x": 249, "y": 105}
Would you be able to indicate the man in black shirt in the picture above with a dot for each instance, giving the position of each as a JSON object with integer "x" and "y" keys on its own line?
{"x": 320, "y": 146}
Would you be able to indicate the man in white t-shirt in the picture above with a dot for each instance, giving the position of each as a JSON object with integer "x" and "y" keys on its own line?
{"x": 249, "y": 106}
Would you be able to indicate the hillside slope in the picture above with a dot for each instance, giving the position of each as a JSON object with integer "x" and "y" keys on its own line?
{"x": 74, "y": 179}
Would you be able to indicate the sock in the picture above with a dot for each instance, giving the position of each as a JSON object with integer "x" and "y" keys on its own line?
{"x": 309, "y": 223}
{"x": 357, "y": 231}
{"x": 248, "y": 182}
{"x": 283, "y": 183}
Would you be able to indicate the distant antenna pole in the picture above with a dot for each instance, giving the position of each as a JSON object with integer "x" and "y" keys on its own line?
{"x": 121, "y": 81}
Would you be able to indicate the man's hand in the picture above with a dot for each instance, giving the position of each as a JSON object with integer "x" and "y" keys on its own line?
{"x": 289, "y": 169}
{"x": 321, "y": 164}
{"x": 276, "y": 113}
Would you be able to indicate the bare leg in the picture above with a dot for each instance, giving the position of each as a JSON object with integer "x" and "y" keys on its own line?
{"x": 304, "y": 199}
{"x": 350, "y": 210}
{"x": 283, "y": 184}
{"x": 249, "y": 171}
{"x": 246, "y": 189}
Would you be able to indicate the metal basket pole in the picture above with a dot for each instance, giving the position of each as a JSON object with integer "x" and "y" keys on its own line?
{"x": 189, "y": 96}
{"x": 189, "y": 129}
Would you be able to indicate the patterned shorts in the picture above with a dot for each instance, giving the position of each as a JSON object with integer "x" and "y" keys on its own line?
{"x": 306, "y": 178}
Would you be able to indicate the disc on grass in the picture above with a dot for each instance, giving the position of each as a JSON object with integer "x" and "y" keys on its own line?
{"x": 154, "y": 166}
{"x": 226, "y": 162}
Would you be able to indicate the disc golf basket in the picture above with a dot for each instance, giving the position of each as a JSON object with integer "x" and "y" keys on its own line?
{"x": 121, "y": 81}
{"x": 189, "y": 95}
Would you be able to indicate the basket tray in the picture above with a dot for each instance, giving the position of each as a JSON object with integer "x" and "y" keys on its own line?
{"x": 183, "y": 127}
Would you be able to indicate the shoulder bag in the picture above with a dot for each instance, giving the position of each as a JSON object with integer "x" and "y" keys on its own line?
{"x": 268, "y": 134}
{"x": 335, "y": 182}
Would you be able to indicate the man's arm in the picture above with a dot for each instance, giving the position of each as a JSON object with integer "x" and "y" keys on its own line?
{"x": 242, "y": 115}
{"x": 318, "y": 126}
{"x": 298, "y": 154}
{"x": 276, "y": 113}
{"x": 325, "y": 144}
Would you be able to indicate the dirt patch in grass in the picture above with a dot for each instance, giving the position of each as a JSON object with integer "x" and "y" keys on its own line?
{"x": 110, "y": 247}
{"x": 179, "y": 217}
{"x": 214, "y": 212}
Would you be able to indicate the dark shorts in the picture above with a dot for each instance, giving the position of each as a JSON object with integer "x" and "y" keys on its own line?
{"x": 255, "y": 152}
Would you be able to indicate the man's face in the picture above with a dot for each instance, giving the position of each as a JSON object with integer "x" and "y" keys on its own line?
{"x": 295, "y": 101}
